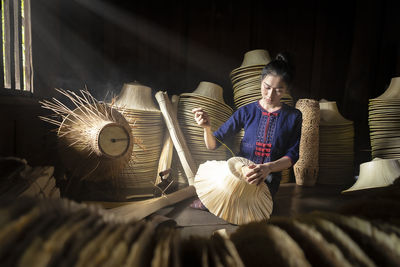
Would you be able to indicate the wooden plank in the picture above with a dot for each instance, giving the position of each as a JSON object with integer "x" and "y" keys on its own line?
{"x": 11, "y": 45}
{"x": 6, "y": 43}
{"x": 1, "y": 54}
{"x": 17, "y": 46}
{"x": 28, "y": 66}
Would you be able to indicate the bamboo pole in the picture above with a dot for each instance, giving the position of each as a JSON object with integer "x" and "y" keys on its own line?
{"x": 177, "y": 136}
{"x": 168, "y": 145}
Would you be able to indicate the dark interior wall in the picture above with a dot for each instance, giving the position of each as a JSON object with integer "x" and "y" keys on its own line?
{"x": 344, "y": 51}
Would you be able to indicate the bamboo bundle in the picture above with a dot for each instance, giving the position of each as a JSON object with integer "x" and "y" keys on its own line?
{"x": 64, "y": 233}
{"x": 168, "y": 147}
{"x": 177, "y": 136}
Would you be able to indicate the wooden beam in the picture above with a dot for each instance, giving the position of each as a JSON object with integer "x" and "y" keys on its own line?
{"x": 17, "y": 44}
{"x": 28, "y": 66}
{"x": 6, "y": 44}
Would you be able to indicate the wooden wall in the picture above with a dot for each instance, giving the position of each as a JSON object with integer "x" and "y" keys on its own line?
{"x": 344, "y": 51}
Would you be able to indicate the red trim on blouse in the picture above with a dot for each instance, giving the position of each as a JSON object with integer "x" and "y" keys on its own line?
{"x": 263, "y": 149}
{"x": 263, "y": 145}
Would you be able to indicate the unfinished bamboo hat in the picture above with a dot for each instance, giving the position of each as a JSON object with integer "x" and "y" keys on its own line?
{"x": 223, "y": 189}
{"x": 376, "y": 173}
{"x": 95, "y": 140}
{"x": 136, "y": 96}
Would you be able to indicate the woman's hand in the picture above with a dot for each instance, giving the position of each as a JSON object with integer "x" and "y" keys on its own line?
{"x": 201, "y": 117}
{"x": 258, "y": 173}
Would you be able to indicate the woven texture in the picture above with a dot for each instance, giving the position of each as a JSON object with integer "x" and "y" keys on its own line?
{"x": 306, "y": 168}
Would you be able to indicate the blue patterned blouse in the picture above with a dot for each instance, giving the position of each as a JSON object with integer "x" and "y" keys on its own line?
{"x": 268, "y": 136}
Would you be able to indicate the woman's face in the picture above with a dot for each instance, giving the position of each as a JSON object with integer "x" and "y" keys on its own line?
{"x": 272, "y": 89}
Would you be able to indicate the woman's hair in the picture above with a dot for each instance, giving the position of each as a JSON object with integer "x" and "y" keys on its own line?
{"x": 280, "y": 66}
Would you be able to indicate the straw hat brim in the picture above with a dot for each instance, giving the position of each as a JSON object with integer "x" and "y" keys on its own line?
{"x": 376, "y": 173}
{"x": 221, "y": 187}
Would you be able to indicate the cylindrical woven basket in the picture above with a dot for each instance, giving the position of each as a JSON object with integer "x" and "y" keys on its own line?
{"x": 306, "y": 168}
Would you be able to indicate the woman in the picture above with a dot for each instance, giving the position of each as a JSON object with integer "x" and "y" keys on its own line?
{"x": 272, "y": 129}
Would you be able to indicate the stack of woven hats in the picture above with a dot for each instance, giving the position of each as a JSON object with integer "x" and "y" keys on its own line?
{"x": 136, "y": 103}
{"x": 384, "y": 122}
{"x": 336, "y": 155}
{"x": 246, "y": 83}
{"x": 208, "y": 96}
{"x": 246, "y": 80}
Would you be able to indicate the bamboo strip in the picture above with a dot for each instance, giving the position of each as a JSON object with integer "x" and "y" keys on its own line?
{"x": 177, "y": 136}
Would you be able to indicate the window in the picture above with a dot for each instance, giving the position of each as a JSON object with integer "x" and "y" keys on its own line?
{"x": 16, "y": 49}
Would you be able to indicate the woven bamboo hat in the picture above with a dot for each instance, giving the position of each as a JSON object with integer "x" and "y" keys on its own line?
{"x": 336, "y": 142}
{"x": 330, "y": 115}
{"x": 257, "y": 57}
{"x": 210, "y": 90}
{"x": 136, "y": 96}
{"x": 392, "y": 92}
{"x": 376, "y": 173}
{"x": 222, "y": 188}
{"x": 384, "y": 122}
{"x": 246, "y": 80}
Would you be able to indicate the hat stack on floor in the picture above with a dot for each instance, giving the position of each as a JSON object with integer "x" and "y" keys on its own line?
{"x": 208, "y": 96}
{"x": 135, "y": 101}
{"x": 384, "y": 122}
{"x": 336, "y": 142}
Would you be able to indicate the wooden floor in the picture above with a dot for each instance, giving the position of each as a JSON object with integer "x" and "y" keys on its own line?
{"x": 290, "y": 200}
